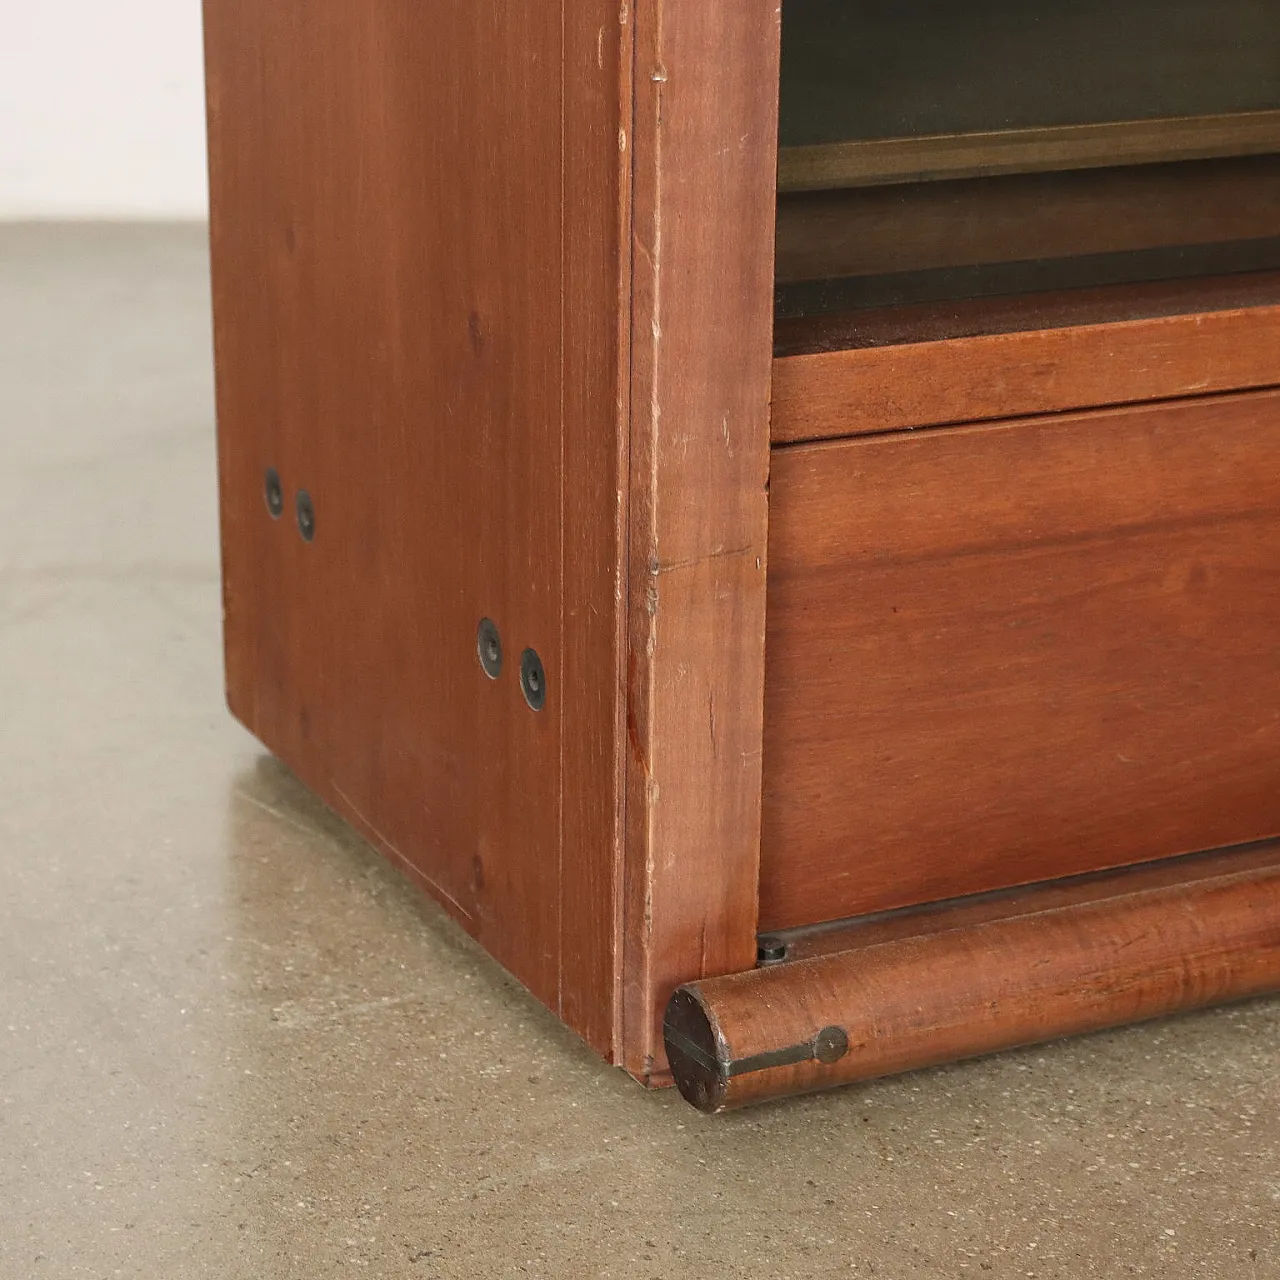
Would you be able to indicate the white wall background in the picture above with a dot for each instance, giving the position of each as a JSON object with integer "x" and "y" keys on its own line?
{"x": 101, "y": 109}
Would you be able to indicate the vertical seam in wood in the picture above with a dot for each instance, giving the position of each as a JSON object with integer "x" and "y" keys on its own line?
{"x": 653, "y": 517}
{"x": 639, "y": 936}
{"x": 560, "y": 584}
{"x": 627, "y": 109}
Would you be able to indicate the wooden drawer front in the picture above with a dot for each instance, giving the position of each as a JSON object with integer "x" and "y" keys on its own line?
{"x": 1004, "y": 653}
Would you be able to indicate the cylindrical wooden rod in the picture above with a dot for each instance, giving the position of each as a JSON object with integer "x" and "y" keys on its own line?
{"x": 918, "y": 1001}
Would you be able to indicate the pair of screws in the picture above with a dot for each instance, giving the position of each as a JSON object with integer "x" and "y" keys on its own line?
{"x": 533, "y": 679}
{"x": 303, "y": 506}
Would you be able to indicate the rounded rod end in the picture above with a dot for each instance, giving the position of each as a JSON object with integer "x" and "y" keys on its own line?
{"x": 697, "y": 1056}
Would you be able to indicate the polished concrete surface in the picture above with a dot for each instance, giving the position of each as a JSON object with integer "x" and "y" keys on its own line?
{"x": 234, "y": 1043}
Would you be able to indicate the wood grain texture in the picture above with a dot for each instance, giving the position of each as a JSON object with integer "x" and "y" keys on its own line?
{"x": 595, "y": 321}
{"x": 418, "y": 264}
{"x": 920, "y": 999}
{"x": 1007, "y": 653}
{"x": 868, "y": 390}
{"x": 704, "y": 153}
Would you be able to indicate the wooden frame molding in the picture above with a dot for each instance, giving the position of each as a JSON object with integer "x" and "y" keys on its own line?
{"x": 867, "y": 390}
{"x": 857, "y": 241}
{"x": 932, "y": 157}
{"x": 704, "y": 141}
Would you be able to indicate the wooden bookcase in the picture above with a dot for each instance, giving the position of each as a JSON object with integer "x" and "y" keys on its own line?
{"x": 874, "y": 640}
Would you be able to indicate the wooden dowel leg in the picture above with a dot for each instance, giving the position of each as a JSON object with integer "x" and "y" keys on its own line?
{"x": 921, "y": 1000}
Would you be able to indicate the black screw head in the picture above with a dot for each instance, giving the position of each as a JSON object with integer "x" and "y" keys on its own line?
{"x": 830, "y": 1045}
{"x": 533, "y": 680}
{"x": 273, "y": 491}
{"x": 306, "y": 516}
{"x": 489, "y": 648}
{"x": 771, "y": 951}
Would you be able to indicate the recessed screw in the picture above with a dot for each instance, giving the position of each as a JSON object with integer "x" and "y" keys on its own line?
{"x": 273, "y": 491}
{"x": 771, "y": 951}
{"x": 306, "y": 516}
{"x": 831, "y": 1044}
{"x": 533, "y": 680}
{"x": 489, "y": 648}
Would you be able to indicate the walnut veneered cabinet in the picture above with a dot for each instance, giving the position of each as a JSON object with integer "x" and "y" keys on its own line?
{"x": 776, "y": 507}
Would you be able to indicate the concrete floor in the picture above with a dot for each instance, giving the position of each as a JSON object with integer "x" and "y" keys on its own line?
{"x": 234, "y": 1043}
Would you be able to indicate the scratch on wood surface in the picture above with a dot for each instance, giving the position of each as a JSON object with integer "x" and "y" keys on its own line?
{"x": 650, "y": 255}
{"x": 711, "y": 716}
{"x": 657, "y": 568}
{"x": 652, "y": 792}
{"x": 655, "y": 329}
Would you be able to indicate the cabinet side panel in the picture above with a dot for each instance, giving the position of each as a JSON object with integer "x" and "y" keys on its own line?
{"x": 394, "y": 315}
{"x": 704, "y": 149}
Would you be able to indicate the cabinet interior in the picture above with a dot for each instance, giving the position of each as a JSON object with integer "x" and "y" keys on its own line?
{"x": 934, "y": 155}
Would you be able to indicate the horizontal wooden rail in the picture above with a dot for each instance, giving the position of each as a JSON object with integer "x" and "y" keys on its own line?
{"x": 1150, "y": 219}
{"x": 868, "y": 390}
{"x": 880, "y": 161}
{"x": 921, "y": 997}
